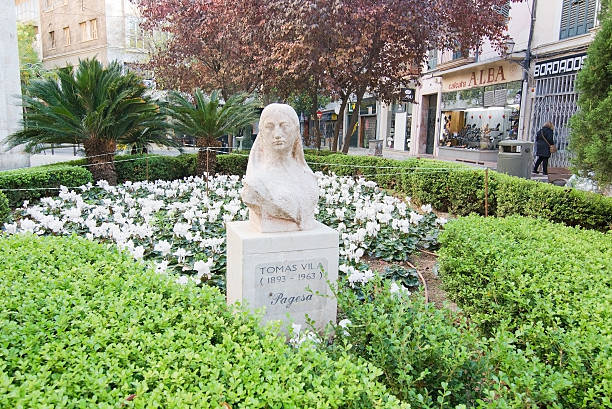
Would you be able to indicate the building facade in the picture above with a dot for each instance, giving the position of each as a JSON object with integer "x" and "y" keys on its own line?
{"x": 28, "y": 12}
{"x": 466, "y": 101}
{"x": 77, "y": 29}
{"x": 563, "y": 30}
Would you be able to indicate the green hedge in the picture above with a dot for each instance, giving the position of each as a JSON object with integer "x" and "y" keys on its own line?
{"x": 550, "y": 284}
{"x": 42, "y": 180}
{"x": 433, "y": 358}
{"x": 146, "y": 167}
{"x": 460, "y": 189}
{"x": 84, "y": 326}
{"x": 5, "y": 210}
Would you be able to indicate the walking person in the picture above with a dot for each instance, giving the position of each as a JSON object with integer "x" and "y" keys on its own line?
{"x": 545, "y": 146}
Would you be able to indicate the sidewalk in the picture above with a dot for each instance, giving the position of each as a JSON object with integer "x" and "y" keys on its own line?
{"x": 403, "y": 155}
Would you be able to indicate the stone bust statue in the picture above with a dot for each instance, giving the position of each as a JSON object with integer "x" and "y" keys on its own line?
{"x": 280, "y": 189}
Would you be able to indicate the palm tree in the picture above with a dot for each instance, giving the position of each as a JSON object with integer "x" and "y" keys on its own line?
{"x": 94, "y": 106}
{"x": 207, "y": 119}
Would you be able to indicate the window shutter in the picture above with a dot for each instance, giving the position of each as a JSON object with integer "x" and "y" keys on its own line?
{"x": 577, "y": 17}
{"x": 500, "y": 97}
{"x": 590, "y": 14}
{"x": 503, "y": 10}
{"x": 489, "y": 98}
{"x": 565, "y": 20}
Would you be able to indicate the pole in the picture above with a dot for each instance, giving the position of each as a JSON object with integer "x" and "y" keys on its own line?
{"x": 206, "y": 169}
{"x": 486, "y": 192}
{"x": 147, "y": 161}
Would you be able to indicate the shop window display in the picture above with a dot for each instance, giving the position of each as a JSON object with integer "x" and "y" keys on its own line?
{"x": 481, "y": 117}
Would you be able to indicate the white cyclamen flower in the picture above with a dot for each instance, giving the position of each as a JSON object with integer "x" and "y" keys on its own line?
{"x": 161, "y": 267}
{"x": 181, "y": 254}
{"x": 426, "y": 208}
{"x": 183, "y": 280}
{"x": 345, "y": 323}
{"x": 163, "y": 247}
{"x": 203, "y": 268}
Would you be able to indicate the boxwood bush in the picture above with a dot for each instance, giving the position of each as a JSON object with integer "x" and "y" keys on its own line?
{"x": 548, "y": 283}
{"x": 460, "y": 189}
{"x": 433, "y": 358}
{"x": 145, "y": 167}
{"x": 40, "y": 181}
{"x": 5, "y": 210}
{"x": 85, "y": 326}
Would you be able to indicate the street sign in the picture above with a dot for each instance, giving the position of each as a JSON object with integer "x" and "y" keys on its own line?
{"x": 319, "y": 114}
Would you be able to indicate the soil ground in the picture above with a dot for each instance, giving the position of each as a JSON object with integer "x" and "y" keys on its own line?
{"x": 425, "y": 264}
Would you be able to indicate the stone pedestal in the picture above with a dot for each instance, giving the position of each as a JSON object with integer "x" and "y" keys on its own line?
{"x": 287, "y": 272}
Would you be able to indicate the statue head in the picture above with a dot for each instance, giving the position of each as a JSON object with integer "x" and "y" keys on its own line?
{"x": 279, "y": 136}
{"x": 279, "y": 188}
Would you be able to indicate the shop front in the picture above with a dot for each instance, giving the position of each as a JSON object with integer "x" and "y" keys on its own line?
{"x": 480, "y": 107}
{"x": 555, "y": 100}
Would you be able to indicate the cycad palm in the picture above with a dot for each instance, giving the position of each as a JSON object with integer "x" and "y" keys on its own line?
{"x": 94, "y": 106}
{"x": 207, "y": 119}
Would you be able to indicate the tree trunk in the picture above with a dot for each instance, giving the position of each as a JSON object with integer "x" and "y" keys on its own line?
{"x": 207, "y": 159}
{"x": 307, "y": 131}
{"x": 338, "y": 123}
{"x": 317, "y": 130}
{"x": 349, "y": 130}
{"x": 100, "y": 154}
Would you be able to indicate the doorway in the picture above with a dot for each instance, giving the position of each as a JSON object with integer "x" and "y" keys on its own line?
{"x": 432, "y": 105}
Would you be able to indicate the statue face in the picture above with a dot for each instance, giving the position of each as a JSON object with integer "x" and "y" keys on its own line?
{"x": 278, "y": 131}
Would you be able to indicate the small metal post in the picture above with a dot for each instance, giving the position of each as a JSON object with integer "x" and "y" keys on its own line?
{"x": 206, "y": 169}
{"x": 486, "y": 192}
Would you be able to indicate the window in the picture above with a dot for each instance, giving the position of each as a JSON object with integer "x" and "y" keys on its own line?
{"x": 66, "y": 36}
{"x": 89, "y": 30}
{"x": 503, "y": 10}
{"x": 457, "y": 54}
{"x": 51, "y": 40}
{"x": 83, "y": 27}
{"x": 577, "y": 17}
{"x": 93, "y": 25}
{"x": 134, "y": 34}
{"x": 432, "y": 59}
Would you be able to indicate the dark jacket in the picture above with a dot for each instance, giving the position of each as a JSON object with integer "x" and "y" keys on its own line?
{"x": 542, "y": 147}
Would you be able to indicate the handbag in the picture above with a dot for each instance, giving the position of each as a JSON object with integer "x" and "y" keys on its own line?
{"x": 552, "y": 148}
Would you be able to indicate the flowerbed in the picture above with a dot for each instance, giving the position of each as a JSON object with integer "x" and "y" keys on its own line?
{"x": 180, "y": 225}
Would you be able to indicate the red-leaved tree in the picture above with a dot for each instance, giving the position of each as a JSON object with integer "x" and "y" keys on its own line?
{"x": 343, "y": 48}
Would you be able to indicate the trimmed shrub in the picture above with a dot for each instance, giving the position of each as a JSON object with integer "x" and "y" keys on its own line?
{"x": 550, "y": 284}
{"x": 85, "y": 326}
{"x": 460, "y": 189}
{"x": 137, "y": 168}
{"x": 42, "y": 180}
{"x": 562, "y": 205}
{"x": 432, "y": 358}
{"x": 316, "y": 152}
{"x": 232, "y": 164}
{"x": 188, "y": 162}
{"x": 5, "y": 210}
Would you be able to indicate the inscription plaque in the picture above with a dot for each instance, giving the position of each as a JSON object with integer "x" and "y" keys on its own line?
{"x": 290, "y": 285}
{"x": 287, "y": 273}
